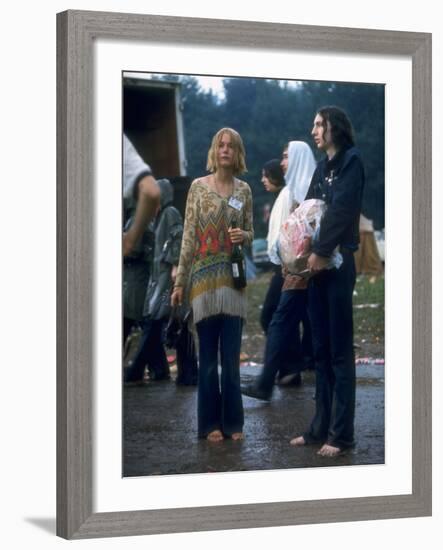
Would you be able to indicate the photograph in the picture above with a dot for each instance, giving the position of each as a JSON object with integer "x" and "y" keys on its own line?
{"x": 253, "y": 261}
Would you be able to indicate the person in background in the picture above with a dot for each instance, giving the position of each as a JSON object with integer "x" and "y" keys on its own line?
{"x": 339, "y": 181}
{"x": 298, "y": 165}
{"x": 213, "y": 204}
{"x": 139, "y": 187}
{"x": 141, "y": 200}
{"x": 168, "y": 234}
{"x": 284, "y": 350}
{"x": 274, "y": 182}
{"x": 367, "y": 258}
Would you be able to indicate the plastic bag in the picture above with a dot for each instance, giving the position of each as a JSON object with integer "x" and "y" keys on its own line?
{"x": 297, "y": 235}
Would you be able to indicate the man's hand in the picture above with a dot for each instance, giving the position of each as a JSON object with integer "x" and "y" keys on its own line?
{"x": 317, "y": 263}
{"x": 128, "y": 243}
{"x": 147, "y": 206}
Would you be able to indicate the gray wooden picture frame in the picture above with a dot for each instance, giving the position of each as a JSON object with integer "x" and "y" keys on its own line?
{"x": 76, "y": 32}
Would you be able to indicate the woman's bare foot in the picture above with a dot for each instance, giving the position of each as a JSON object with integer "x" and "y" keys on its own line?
{"x": 237, "y": 436}
{"x": 298, "y": 441}
{"x": 215, "y": 437}
{"x": 329, "y": 451}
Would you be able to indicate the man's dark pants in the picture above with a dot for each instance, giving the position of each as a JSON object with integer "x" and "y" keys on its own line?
{"x": 330, "y": 312}
{"x": 150, "y": 352}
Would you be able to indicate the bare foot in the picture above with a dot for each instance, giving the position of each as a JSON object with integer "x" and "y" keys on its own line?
{"x": 298, "y": 441}
{"x": 329, "y": 450}
{"x": 215, "y": 437}
{"x": 237, "y": 436}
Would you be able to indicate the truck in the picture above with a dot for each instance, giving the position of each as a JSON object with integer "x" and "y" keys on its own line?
{"x": 153, "y": 121}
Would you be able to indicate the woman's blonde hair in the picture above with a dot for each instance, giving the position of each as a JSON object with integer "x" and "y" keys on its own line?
{"x": 239, "y": 151}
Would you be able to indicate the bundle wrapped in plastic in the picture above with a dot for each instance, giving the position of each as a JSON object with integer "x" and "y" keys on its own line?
{"x": 297, "y": 235}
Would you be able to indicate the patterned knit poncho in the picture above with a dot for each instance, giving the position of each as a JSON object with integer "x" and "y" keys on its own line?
{"x": 205, "y": 258}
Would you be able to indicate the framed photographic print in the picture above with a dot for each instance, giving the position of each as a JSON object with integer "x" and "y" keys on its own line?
{"x": 97, "y": 54}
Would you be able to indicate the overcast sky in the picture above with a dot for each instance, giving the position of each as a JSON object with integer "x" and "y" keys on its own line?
{"x": 214, "y": 83}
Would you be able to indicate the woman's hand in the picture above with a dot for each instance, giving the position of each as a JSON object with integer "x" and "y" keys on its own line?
{"x": 236, "y": 235}
{"x": 177, "y": 296}
{"x": 174, "y": 273}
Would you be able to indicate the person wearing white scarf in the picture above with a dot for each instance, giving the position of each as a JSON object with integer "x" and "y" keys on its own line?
{"x": 298, "y": 165}
{"x": 301, "y": 165}
{"x": 288, "y": 360}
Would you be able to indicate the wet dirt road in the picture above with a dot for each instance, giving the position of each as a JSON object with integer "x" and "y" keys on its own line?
{"x": 160, "y": 429}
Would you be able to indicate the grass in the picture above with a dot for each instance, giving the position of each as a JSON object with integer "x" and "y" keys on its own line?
{"x": 368, "y": 321}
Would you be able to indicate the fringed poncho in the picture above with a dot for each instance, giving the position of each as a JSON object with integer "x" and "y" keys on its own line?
{"x": 205, "y": 258}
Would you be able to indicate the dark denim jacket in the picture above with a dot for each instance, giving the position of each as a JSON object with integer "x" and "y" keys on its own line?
{"x": 339, "y": 182}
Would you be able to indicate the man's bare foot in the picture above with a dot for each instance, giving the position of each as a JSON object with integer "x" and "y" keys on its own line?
{"x": 298, "y": 441}
{"x": 237, "y": 436}
{"x": 215, "y": 436}
{"x": 329, "y": 451}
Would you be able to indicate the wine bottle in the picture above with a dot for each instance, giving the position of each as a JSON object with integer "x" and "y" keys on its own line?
{"x": 238, "y": 264}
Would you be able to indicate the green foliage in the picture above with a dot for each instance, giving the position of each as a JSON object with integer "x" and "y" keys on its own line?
{"x": 269, "y": 113}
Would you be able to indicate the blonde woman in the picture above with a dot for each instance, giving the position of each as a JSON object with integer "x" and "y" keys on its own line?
{"x": 214, "y": 202}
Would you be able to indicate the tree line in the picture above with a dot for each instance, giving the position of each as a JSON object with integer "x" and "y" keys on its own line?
{"x": 269, "y": 113}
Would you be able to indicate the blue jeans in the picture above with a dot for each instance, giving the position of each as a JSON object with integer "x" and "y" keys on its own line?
{"x": 290, "y": 361}
{"x": 330, "y": 312}
{"x": 220, "y": 405}
{"x": 272, "y": 298}
{"x": 283, "y": 337}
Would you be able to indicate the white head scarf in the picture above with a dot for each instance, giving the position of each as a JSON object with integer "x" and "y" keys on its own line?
{"x": 301, "y": 166}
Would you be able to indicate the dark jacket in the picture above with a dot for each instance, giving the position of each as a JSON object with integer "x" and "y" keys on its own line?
{"x": 168, "y": 236}
{"x": 339, "y": 182}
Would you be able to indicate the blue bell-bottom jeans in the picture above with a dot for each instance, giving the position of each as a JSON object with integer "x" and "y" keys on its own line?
{"x": 330, "y": 312}
{"x": 220, "y": 404}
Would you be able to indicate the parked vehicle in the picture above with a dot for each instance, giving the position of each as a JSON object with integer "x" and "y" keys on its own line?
{"x": 260, "y": 253}
{"x": 152, "y": 120}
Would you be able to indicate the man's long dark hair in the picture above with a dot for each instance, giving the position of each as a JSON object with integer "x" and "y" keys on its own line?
{"x": 342, "y": 133}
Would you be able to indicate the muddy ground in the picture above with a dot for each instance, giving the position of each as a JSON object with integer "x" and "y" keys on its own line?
{"x": 160, "y": 429}
{"x": 160, "y": 424}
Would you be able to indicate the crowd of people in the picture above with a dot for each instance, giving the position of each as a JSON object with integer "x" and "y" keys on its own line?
{"x": 181, "y": 272}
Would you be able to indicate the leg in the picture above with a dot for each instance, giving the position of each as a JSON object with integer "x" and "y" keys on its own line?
{"x": 156, "y": 356}
{"x": 284, "y": 324}
{"x": 272, "y": 299}
{"x": 306, "y": 340}
{"x": 341, "y": 428}
{"x": 209, "y": 398}
{"x": 231, "y": 407}
{"x": 127, "y": 327}
{"x": 136, "y": 371}
{"x": 324, "y": 379}
{"x": 187, "y": 366}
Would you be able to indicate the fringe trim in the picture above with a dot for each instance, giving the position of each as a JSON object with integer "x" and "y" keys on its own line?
{"x": 221, "y": 300}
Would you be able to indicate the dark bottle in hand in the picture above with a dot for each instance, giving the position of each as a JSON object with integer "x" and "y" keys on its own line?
{"x": 238, "y": 264}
